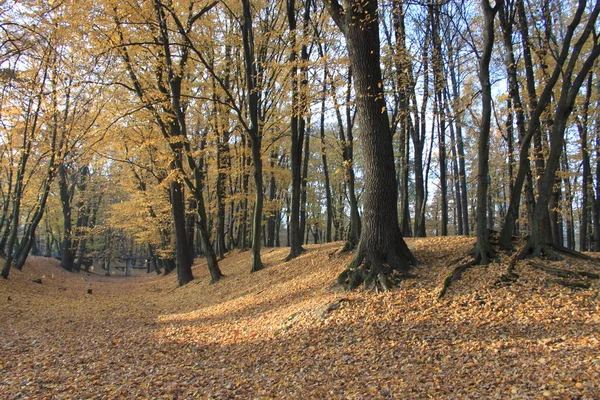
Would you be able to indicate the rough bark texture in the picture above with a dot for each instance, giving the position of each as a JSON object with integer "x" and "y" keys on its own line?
{"x": 382, "y": 253}
{"x": 484, "y": 247}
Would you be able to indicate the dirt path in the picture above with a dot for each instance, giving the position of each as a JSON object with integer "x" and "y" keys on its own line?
{"x": 286, "y": 332}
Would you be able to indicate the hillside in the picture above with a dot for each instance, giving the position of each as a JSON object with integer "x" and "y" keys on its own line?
{"x": 289, "y": 332}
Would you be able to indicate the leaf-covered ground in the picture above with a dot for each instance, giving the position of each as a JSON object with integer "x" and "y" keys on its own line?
{"x": 288, "y": 332}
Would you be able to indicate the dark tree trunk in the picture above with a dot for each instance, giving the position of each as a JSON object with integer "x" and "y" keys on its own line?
{"x": 303, "y": 195}
{"x": 297, "y": 126}
{"x": 381, "y": 252}
{"x": 507, "y": 20}
{"x": 458, "y": 147}
{"x": 484, "y": 247}
{"x": 65, "y": 190}
{"x": 183, "y": 252}
{"x": 439, "y": 109}
{"x": 297, "y": 137}
{"x": 328, "y": 195}
{"x": 586, "y": 176}
{"x": 346, "y": 138}
{"x": 253, "y": 132}
{"x": 419, "y": 136}
{"x": 456, "y": 180}
{"x": 568, "y": 220}
{"x": 272, "y": 197}
{"x": 5, "y": 221}
{"x": 402, "y": 89}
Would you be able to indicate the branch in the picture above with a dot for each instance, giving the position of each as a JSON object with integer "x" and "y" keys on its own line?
{"x": 337, "y": 14}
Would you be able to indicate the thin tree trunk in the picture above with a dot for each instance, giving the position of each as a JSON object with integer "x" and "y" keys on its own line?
{"x": 253, "y": 133}
{"x": 586, "y": 178}
{"x": 303, "y": 195}
{"x": 484, "y": 247}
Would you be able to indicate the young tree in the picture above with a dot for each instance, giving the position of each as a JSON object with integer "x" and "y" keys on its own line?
{"x": 484, "y": 248}
{"x": 382, "y": 254}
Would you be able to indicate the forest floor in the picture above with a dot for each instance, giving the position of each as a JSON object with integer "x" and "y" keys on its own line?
{"x": 288, "y": 332}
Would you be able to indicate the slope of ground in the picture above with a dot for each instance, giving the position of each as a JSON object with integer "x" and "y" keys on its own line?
{"x": 288, "y": 332}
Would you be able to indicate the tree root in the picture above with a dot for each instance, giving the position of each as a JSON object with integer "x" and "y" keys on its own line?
{"x": 348, "y": 246}
{"x": 574, "y": 285}
{"x": 455, "y": 275}
{"x": 291, "y": 256}
{"x": 547, "y": 251}
{"x": 564, "y": 273}
{"x": 373, "y": 273}
{"x": 574, "y": 253}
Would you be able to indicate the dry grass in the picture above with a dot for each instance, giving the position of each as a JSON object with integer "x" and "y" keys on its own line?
{"x": 275, "y": 333}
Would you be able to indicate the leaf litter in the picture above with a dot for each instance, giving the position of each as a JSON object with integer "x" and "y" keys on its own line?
{"x": 288, "y": 332}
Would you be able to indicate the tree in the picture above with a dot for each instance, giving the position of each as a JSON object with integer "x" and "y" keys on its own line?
{"x": 572, "y": 66}
{"x": 169, "y": 81}
{"x": 573, "y": 77}
{"x": 297, "y": 122}
{"x": 382, "y": 255}
{"x": 484, "y": 248}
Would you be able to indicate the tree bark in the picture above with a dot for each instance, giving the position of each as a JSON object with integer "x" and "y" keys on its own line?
{"x": 253, "y": 133}
{"x": 586, "y": 176}
{"x": 382, "y": 252}
{"x": 484, "y": 247}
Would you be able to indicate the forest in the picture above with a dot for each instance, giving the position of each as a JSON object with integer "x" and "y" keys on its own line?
{"x": 191, "y": 190}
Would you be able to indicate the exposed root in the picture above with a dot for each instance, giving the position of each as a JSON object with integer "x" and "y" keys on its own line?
{"x": 574, "y": 285}
{"x": 291, "y": 256}
{"x": 574, "y": 253}
{"x": 348, "y": 246}
{"x": 547, "y": 251}
{"x": 562, "y": 273}
{"x": 455, "y": 275}
{"x": 373, "y": 273}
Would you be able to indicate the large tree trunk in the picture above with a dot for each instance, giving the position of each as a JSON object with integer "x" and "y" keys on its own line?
{"x": 381, "y": 251}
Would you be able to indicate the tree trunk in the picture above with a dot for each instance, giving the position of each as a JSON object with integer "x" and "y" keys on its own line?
{"x": 66, "y": 189}
{"x": 253, "y": 132}
{"x": 586, "y": 176}
{"x": 183, "y": 252}
{"x": 382, "y": 252}
{"x": 484, "y": 247}
{"x": 304, "y": 183}
{"x": 328, "y": 195}
{"x": 439, "y": 109}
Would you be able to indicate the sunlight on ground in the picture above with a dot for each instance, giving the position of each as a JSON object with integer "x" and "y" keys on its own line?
{"x": 289, "y": 332}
